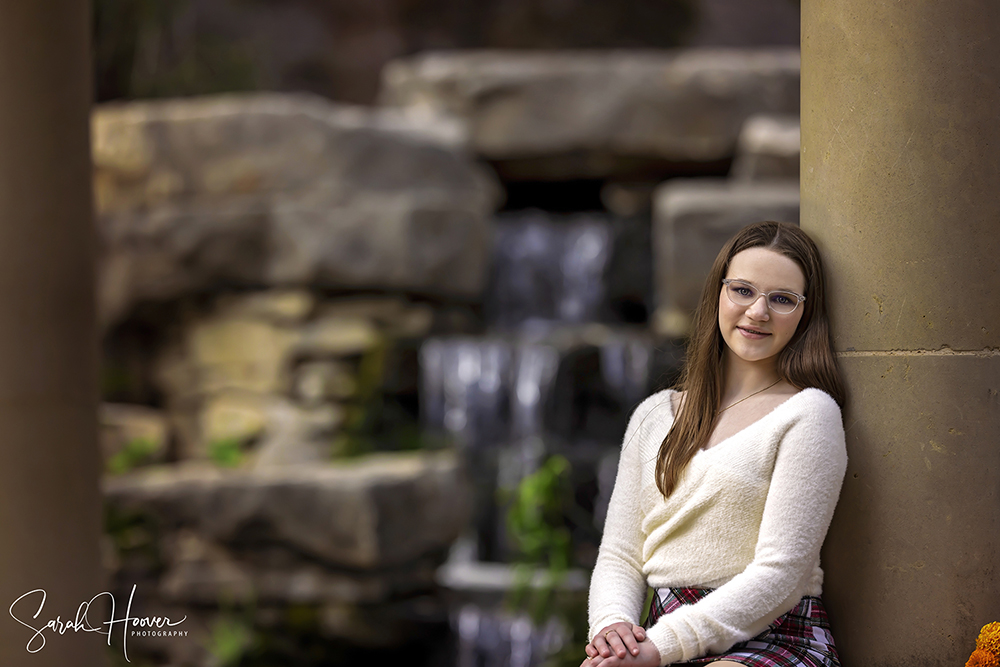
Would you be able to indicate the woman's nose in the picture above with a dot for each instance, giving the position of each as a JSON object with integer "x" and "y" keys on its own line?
{"x": 758, "y": 309}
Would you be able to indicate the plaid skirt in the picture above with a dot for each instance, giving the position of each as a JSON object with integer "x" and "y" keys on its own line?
{"x": 799, "y": 638}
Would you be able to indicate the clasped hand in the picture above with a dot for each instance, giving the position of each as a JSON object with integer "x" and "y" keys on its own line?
{"x": 621, "y": 645}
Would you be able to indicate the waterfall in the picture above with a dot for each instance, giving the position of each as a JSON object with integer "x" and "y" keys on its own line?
{"x": 548, "y": 269}
{"x": 550, "y": 369}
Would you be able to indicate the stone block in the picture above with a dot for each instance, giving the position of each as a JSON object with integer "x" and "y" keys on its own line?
{"x": 291, "y": 191}
{"x": 278, "y": 306}
{"x": 397, "y": 317}
{"x": 200, "y": 572}
{"x": 692, "y": 220}
{"x": 377, "y": 512}
{"x": 768, "y": 149}
{"x": 605, "y": 108}
{"x": 217, "y": 353}
{"x": 334, "y": 336}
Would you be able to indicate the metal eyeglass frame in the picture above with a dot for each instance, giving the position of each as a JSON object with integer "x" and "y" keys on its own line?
{"x": 766, "y": 295}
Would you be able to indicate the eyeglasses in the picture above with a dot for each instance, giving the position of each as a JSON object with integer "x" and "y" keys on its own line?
{"x": 744, "y": 294}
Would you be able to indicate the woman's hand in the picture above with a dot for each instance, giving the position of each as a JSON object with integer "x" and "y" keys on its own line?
{"x": 646, "y": 655}
{"x": 618, "y": 639}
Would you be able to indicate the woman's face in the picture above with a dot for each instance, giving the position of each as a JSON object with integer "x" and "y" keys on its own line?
{"x": 755, "y": 333}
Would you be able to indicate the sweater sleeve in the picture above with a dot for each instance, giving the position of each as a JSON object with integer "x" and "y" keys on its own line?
{"x": 808, "y": 472}
{"x": 618, "y": 584}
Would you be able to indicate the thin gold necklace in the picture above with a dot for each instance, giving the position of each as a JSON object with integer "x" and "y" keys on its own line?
{"x": 748, "y": 396}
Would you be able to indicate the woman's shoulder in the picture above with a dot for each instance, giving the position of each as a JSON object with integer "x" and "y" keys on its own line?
{"x": 814, "y": 399}
{"x": 654, "y": 408}
{"x": 813, "y": 406}
{"x": 661, "y": 400}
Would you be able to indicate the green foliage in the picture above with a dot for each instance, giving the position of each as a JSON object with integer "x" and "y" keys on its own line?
{"x": 230, "y": 639}
{"x": 535, "y": 516}
{"x": 137, "y": 451}
{"x": 134, "y": 536}
{"x": 375, "y": 421}
{"x": 535, "y": 525}
{"x": 363, "y": 417}
{"x": 226, "y": 452}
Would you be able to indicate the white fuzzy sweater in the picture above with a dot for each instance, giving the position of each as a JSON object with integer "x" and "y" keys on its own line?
{"x": 748, "y": 518}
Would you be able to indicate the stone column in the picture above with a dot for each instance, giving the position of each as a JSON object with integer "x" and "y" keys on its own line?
{"x": 900, "y": 178}
{"x": 50, "y": 518}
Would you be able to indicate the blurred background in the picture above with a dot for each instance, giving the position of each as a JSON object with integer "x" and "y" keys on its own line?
{"x": 380, "y": 284}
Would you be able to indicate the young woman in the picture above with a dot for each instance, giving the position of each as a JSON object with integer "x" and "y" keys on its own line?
{"x": 727, "y": 484}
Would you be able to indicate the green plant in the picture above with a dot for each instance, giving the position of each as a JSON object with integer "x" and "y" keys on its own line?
{"x": 230, "y": 639}
{"x": 227, "y": 452}
{"x": 134, "y": 535}
{"x": 233, "y": 637}
{"x": 535, "y": 525}
{"x": 375, "y": 420}
{"x": 136, "y": 452}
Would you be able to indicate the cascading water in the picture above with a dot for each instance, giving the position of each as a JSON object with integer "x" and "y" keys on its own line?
{"x": 489, "y": 640}
{"x": 544, "y": 373}
{"x": 548, "y": 270}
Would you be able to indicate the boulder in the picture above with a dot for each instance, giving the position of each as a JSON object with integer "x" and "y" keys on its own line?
{"x": 272, "y": 190}
{"x": 377, "y": 512}
{"x": 202, "y": 573}
{"x": 350, "y": 545}
{"x": 692, "y": 220}
{"x": 768, "y": 149}
{"x": 600, "y": 111}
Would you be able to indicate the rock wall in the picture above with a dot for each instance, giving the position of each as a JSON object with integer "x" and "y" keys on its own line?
{"x": 298, "y": 261}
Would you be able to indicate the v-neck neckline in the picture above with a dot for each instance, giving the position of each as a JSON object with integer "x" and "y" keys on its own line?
{"x": 743, "y": 430}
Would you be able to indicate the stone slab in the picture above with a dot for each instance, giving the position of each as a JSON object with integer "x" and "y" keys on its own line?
{"x": 692, "y": 220}
{"x": 289, "y": 191}
{"x": 683, "y": 105}
{"x": 768, "y": 149}
{"x": 375, "y": 512}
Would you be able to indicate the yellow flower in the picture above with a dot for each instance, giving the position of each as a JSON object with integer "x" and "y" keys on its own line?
{"x": 981, "y": 658}
{"x": 989, "y": 639}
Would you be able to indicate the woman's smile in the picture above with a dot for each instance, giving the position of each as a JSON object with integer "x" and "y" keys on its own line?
{"x": 754, "y": 334}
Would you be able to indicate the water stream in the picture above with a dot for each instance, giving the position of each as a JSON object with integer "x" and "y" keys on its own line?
{"x": 552, "y": 367}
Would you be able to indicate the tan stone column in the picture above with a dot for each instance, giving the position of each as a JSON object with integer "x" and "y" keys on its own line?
{"x": 901, "y": 188}
{"x": 49, "y": 498}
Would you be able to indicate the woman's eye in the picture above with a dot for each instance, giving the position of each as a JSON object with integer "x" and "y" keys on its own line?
{"x": 743, "y": 291}
{"x": 781, "y": 299}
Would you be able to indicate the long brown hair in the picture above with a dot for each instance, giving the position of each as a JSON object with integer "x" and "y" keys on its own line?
{"x": 806, "y": 361}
